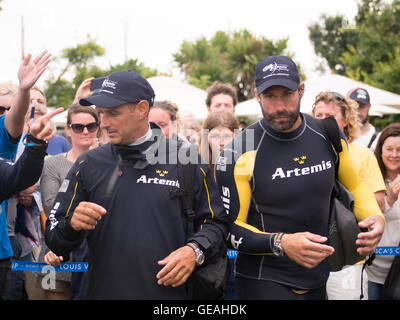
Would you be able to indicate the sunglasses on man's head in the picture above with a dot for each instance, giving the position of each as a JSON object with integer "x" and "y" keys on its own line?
{"x": 78, "y": 127}
{"x": 3, "y": 109}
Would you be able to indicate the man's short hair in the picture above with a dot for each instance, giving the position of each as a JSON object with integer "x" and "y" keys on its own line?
{"x": 221, "y": 88}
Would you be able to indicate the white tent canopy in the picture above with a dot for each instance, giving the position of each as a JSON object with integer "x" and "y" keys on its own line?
{"x": 250, "y": 108}
{"x": 59, "y": 119}
{"x": 188, "y": 98}
{"x": 383, "y": 102}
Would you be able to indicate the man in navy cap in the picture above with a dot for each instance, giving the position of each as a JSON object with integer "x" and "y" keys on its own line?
{"x": 368, "y": 133}
{"x": 118, "y": 198}
{"x": 277, "y": 185}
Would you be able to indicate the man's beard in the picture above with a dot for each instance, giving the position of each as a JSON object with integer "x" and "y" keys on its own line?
{"x": 282, "y": 125}
{"x": 365, "y": 120}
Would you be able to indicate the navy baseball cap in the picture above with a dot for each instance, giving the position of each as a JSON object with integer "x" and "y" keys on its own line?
{"x": 360, "y": 95}
{"x": 120, "y": 88}
{"x": 276, "y": 71}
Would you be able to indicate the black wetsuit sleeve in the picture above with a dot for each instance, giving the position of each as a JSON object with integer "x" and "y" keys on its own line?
{"x": 60, "y": 237}
{"x": 210, "y": 217}
{"x": 233, "y": 178}
{"x": 23, "y": 174}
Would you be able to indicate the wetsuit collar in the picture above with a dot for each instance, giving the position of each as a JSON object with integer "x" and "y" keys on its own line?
{"x": 137, "y": 150}
{"x": 284, "y": 135}
{"x": 142, "y": 139}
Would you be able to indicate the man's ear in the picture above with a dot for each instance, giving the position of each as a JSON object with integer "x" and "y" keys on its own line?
{"x": 256, "y": 95}
{"x": 301, "y": 89}
{"x": 142, "y": 108}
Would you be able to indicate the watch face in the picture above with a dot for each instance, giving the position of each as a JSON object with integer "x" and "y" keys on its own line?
{"x": 200, "y": 258}
{"x": 276, "y": 250}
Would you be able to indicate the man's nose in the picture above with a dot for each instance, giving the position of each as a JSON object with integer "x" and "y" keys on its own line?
{"x": 103, "y": 121}
{"x": 280, "y": 104}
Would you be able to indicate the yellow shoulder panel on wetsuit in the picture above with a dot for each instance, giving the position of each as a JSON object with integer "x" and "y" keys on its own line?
{"x": 365, "y": 203}
{"x": 242, "y": 173}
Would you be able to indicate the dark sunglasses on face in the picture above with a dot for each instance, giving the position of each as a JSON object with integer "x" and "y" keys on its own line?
{"x": 3, "y": 109}
{"x": 78, "y": 127}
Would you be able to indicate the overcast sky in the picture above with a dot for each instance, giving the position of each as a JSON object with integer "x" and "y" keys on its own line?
{"x": 154, "y": 29}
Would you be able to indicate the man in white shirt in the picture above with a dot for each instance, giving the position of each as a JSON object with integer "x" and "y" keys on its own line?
{"x": 368, "y": 133}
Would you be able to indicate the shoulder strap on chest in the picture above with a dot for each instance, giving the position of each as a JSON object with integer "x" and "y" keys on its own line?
{"x": 186, "y": 178}
{"x": 373, "y": 138}
{"x": 331, "y": 131}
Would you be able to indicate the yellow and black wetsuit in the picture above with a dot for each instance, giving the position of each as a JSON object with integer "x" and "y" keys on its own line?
{"x": 275, "y": 182}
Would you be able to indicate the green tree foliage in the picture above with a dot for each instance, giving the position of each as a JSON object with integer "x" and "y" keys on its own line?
{"x": 369, "y": 51}
{"x": 226, "y": 57}
{"x": 79, "y": 64}
{"x": 134, "y": 65}
{"x": 331, "y": 39}
{"x": 375, "y": 58}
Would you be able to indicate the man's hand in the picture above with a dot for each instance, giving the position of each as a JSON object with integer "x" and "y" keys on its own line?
{"x": 178, "y": 266}
{"x": 306, "y": 249}
{"x": 394, "y": 191}
{"x": 86, "y": 215}
{"x": 83, "y": 90}
{"x": 52, "y": 259}
{"x": 26, "y": 196}
{"x": 43, "y": 128}
{"x": 368, "y": 241}
{"x": 30, "y": 71}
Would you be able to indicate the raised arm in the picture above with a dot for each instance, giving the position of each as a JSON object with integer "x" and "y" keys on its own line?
{"x": 29, "y": 72}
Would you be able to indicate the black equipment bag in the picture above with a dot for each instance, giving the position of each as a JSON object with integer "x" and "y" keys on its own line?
{"x": 343, "y": 226}
{"x": 208, "y": 281}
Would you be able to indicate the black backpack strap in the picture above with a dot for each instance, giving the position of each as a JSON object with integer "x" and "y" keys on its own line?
{"x": 331, "y": 132}
{"x": 373, "y": 138}
{"x": 186, "y": 178}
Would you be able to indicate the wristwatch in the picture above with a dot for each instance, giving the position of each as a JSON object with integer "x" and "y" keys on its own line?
{"x": 277, "y": 246}
{"x": 199, "y": 254}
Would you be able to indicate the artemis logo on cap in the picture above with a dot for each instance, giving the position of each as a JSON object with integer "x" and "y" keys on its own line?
{"x": 275, "y": 67}
{"x": 107, "y": 83}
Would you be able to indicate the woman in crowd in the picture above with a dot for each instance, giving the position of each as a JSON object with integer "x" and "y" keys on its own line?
{"x": 345, "y": 112}
{"x": 81, "y": 129}
{"x": 387, "y": 152}
{"x": 218, "y": 130}
{"x": 165, "y": 115}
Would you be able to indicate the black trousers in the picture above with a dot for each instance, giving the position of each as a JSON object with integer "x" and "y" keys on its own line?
{"x": 251, "y": 289}
{"x": 5, "y": 277}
